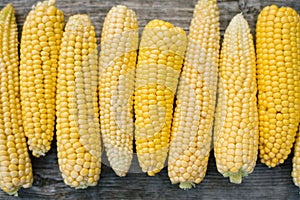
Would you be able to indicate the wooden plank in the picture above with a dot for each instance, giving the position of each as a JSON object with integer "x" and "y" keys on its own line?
{"x": 178, "y": 12}
{"x": 262, "y": 183}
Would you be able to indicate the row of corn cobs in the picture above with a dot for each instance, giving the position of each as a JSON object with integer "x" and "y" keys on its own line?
{"x": 60, "y": 77}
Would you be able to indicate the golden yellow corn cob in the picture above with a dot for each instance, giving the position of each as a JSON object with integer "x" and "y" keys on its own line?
{"x": 236, "y": 119}
{"x": 196, "y": 96}
{"x": 159, "y": 64}
{"x": 41, "y": 38}
{"x": 119, "y": 43}
{"x": 78, "y": 127}
{"x": 278, "y": 82}
{"x": 15, "y": 164}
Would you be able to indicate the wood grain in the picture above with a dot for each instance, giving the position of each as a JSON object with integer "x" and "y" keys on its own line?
{"x": 263, "y": 183}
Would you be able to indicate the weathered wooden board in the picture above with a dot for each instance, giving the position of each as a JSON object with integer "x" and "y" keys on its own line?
{"x": 263, "y": 183}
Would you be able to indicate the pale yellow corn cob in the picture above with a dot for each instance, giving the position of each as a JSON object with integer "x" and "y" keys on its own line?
{"x": 78, "y": 127}
{"x": 119, "y": 43}
{"x": 296, "y": 162}
{"x": 15, "y": 164}
{"x": 196, "y": 96}
{"x": 296, "y": 158}
{"x": 236, "y": 119}
{"x": 41, "y": 38}
{"x": 159, "y": 64}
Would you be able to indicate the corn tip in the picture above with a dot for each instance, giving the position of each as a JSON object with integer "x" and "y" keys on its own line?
{"x": 235, "y": 178}
{"x": 187, "y": 185}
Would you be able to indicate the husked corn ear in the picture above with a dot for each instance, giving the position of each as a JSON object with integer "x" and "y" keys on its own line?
{"x": 296, "y": 158}
{"x": 196, "y": 96}
{"x": 159, "y": 64}
{"x": 41, "y": 38}
{"x": 236, "y": 119}
{"x": 277, "y": 32}
{"x": 77, "y": 125}
{"x": 296, "y": 162}
{"x": 119, "y": 43}
{"x": 15, "y": 164}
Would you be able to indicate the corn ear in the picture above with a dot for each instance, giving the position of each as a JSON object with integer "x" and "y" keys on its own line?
{"x": 15, "y": 164}
{"x": 296, "y": 162}
{"x": 77, "y": 123}
{"x": 236, "y": 119}
{"x": 40, "y": 43}
{"x": 277, "y": 47}
{"x": 196, "y": 98}
{"x": 159, "y": 64}
{"x": 119, "y": 43}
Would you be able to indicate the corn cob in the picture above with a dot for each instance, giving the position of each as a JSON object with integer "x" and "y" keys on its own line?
{"x": 78, "y": 127}
{"x": 159, "y": 64}
{"x": 296, "y": 158}
{"x": 296, "y": 162}
{"x": 196, "y": 96}
{"x": 41, "y": 38}
{"x": 15, "y": 165}
{"x": 119, "y": 43}
{"x": 236, "y": 119}
{"x": 278, "y": 82}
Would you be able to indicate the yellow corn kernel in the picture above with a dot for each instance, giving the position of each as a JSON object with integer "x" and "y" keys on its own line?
{"x": 40, "y": 43}
{"x": 119, "y": 43}
{"x": 278, "y": 82}
{"x": 236, "y": 119}
{"x": 77, "y": 125}
{"x": 15, "y": 164}
{"x": 159, "y": 64}
{"x": 196, "y": 96}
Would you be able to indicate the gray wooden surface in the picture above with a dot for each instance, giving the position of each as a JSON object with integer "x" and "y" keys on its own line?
{"x": 263, "y": 183}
